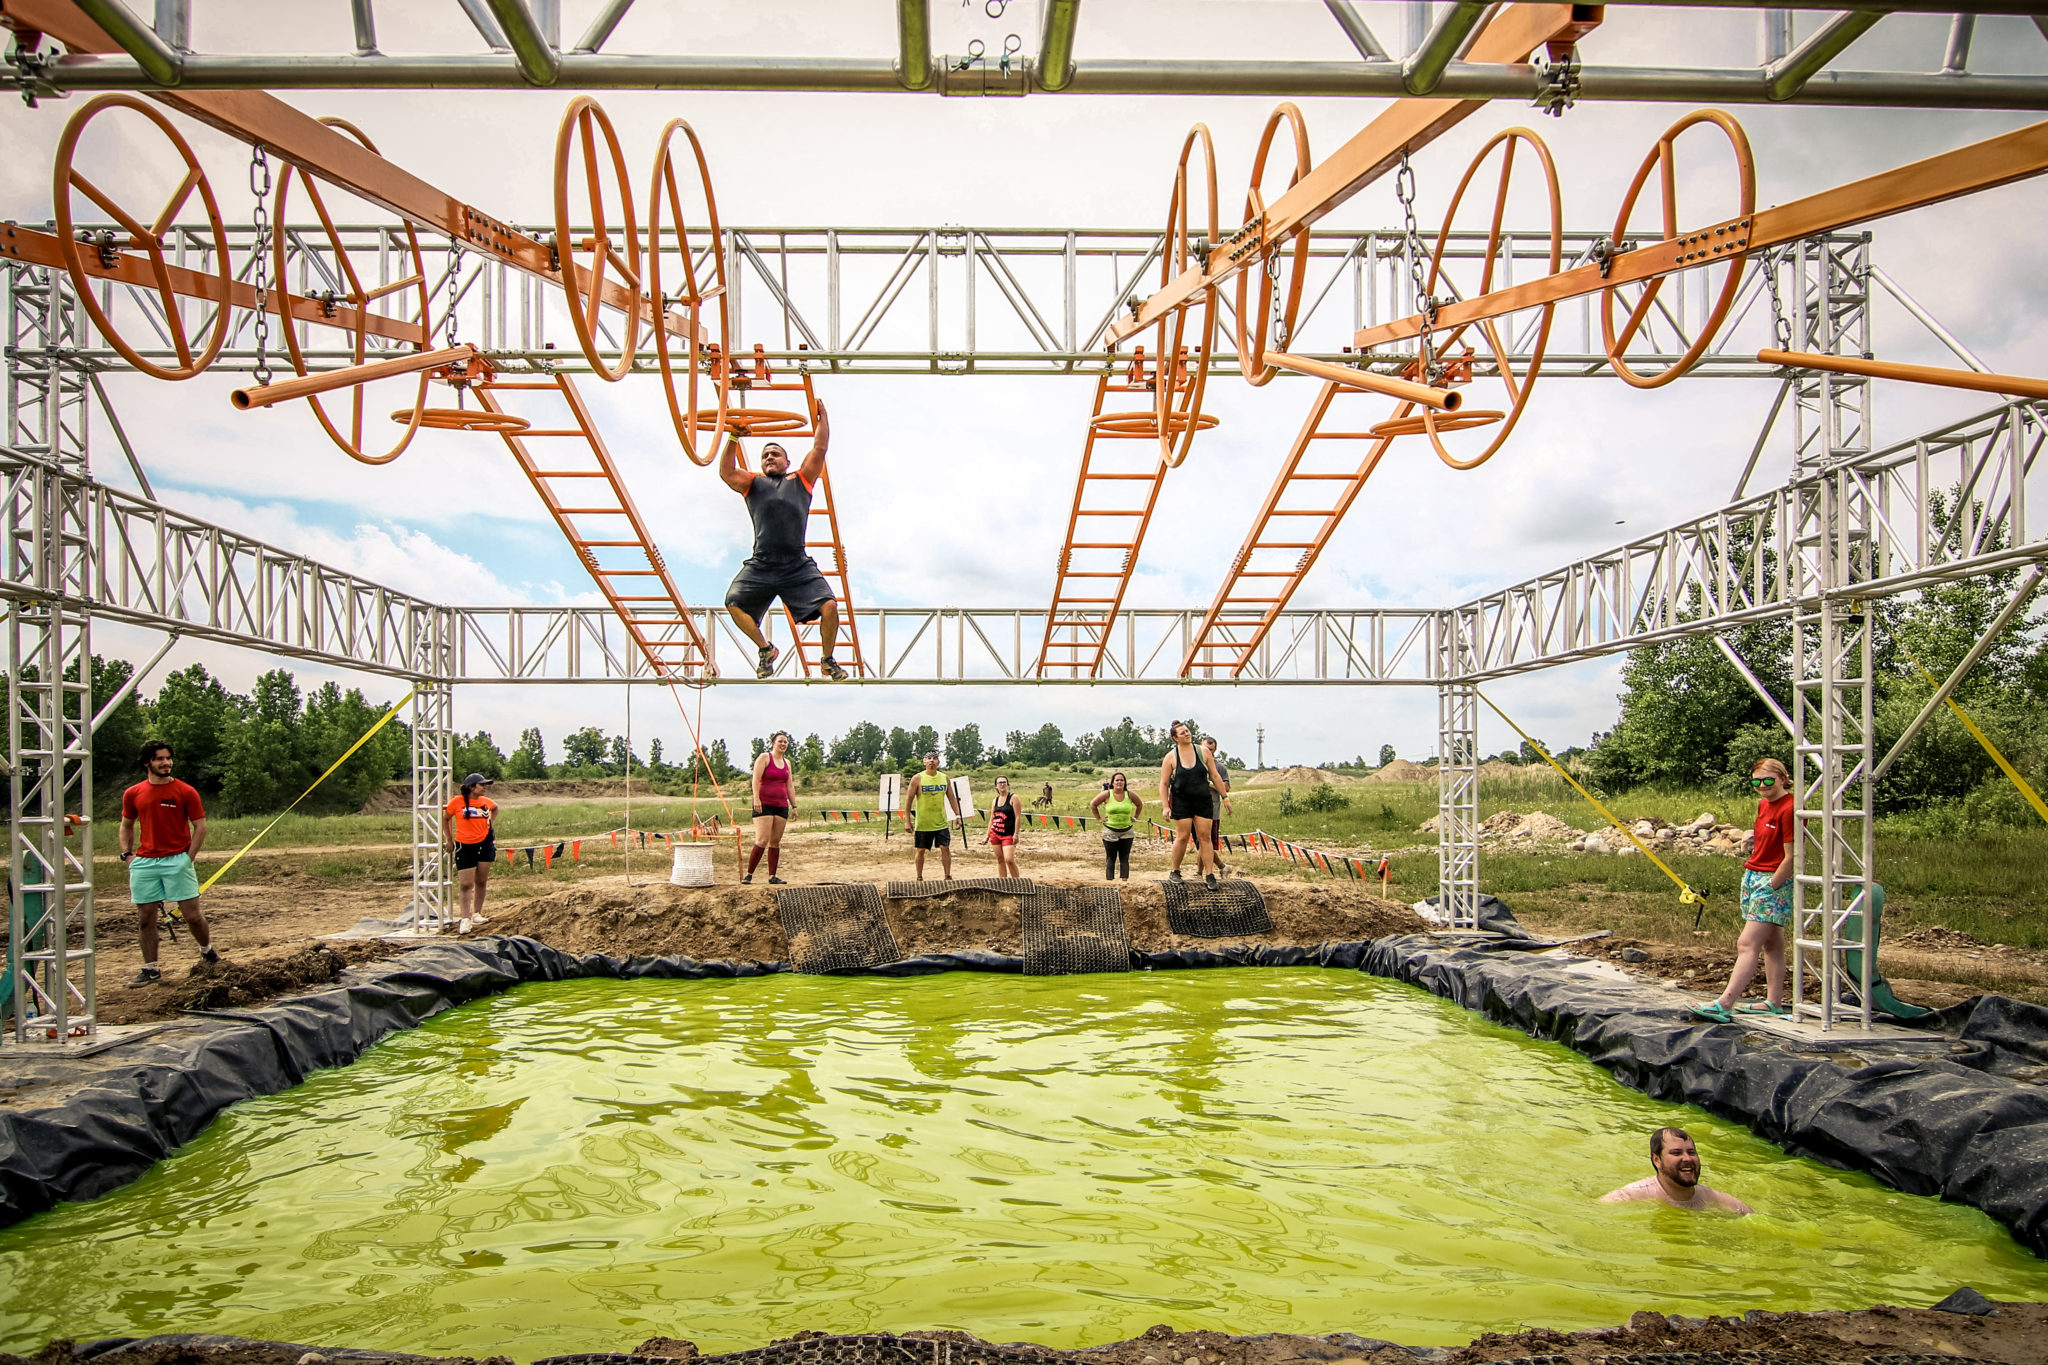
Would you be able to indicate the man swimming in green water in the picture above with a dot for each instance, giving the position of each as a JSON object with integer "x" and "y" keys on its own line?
{"x": 1677, "y": 1180}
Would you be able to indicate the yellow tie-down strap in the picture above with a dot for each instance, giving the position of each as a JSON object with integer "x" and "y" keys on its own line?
{"x": 382, "y": 721}
{"x": 1686, "y": 894}
{"x": 2012, "y": 773}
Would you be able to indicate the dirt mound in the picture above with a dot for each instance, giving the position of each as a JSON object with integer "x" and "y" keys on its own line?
{"x": 1936, "y": 938}
{"x": 1287, "y": 777}
{"x": 739, "y": 923}
{"x": 2018, "y": 1333}
{"x": 237, "y": 981}
{"x": 1401, "y": 770}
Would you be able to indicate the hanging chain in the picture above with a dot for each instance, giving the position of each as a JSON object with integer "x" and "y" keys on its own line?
{"x": 1781, "y": 326}
{"x": 259, "y": 185}
{"x": 1276, "y": 311}
{"x": 454, "y": 285}
{"x": 1404, "y": 187}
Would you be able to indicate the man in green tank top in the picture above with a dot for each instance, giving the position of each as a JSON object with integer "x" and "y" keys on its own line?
{"x": 924, "y": 810}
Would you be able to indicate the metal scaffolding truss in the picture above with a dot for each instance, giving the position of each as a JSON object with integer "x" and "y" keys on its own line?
{"x": 520, "y": 45}
{"x": 940, "y": 300}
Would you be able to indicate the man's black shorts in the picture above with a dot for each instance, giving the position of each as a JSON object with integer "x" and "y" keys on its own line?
{"x": 801, "y": 587}
{"x": 934, "y": 838}
{"x": 478, "y": 854}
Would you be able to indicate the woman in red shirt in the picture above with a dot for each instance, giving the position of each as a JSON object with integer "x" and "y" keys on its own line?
{"x": 1766, "y": 900}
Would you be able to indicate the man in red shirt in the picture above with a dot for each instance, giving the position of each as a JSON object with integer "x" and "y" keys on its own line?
{"x": 167, "y": 816}
{"x": 1766, "y": 900}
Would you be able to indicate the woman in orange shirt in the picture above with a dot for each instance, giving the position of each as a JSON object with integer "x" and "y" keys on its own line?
{"x": 467, "y": 829}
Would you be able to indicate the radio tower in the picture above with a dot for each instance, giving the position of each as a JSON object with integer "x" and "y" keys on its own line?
{"x": 1262, "y": 746}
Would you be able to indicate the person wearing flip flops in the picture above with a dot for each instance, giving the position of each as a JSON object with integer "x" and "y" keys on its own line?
{"x": 1766, "y": 901}
{"x": 779, "y": 505}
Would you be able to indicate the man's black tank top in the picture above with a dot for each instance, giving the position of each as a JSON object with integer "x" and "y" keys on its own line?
{"x": 781, "y": 510}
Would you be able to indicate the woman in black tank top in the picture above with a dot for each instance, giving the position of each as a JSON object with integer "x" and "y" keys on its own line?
{"x": 1187, "y": 787}
{"x": 1002, "y": 829}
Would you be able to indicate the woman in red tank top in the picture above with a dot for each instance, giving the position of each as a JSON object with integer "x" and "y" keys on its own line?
{"x": 772, "y": 800}
{"x": 1766, "y": 900}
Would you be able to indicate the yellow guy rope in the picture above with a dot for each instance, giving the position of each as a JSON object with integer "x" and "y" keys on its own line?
{"x": 2033, "y": 797}
{"x": 381, "y": 722}
{"x": 1686, "y": 894}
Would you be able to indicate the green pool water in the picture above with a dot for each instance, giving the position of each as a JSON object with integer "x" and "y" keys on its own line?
{"x": 1068, "y": 1160}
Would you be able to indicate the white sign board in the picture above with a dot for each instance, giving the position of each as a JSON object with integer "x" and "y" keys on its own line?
{"x": 891, "y": 795}
{"x": 962, "y": 798}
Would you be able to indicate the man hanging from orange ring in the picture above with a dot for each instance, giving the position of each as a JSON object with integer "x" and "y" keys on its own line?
{"x": 779, "y": 504}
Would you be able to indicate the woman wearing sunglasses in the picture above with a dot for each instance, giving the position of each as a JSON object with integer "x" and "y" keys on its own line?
{"x": 1766, "y": 900}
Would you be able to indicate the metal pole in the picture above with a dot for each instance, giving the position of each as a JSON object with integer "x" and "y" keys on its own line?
{"x": 1353, "y": 24}
{"x": 1948, "y": 686}
{"x": 1785, "y": 78}
{"x": 134, "y": 680}
{"x": 539, "y": 63}
{"x": 1056, "y": 44}
{"x": 1763, "y": 693}
{"x": 157, "y": 58}
{"x": 914, "y": 44}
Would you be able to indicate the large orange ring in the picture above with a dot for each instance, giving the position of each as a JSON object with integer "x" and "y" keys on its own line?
{"x": 1251, "y": 347}
{"x": 1180, "y": 385}
{"x": 1434, "y": 424}
{"x": 750, "y": 421}
{"x": 1177, "y": 426}
{"x": 358, "y": 298}
{"x": 684, "y": 412}
{"x": 1663, "y": 157}
{"x": 583, "y": 120}
{"x": 1426, "y": 421}
{"x": 67, "y": 178}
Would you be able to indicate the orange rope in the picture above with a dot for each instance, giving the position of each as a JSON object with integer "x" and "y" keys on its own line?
{"x": 703, "y": 763}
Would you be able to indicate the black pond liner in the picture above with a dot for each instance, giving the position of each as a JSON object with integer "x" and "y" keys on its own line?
{"x": 1948, "y": 1126}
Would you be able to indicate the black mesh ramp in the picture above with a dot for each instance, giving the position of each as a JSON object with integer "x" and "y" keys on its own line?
{"x": 1068, "y": 931}
{"x": 995, "y": 886}
{"x": 881, "y": 1349}
{"x": 835, "y": 928}
{"x": 1232, "y": 910}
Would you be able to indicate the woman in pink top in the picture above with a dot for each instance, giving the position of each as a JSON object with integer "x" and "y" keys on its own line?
{"x": 772, "y": 798}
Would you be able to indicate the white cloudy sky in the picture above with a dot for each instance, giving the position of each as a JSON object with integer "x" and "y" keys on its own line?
{"x": 1593, "y": 462}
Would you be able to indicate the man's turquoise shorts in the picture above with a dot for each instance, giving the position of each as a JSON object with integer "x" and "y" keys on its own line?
{"x": 162, "y": 879}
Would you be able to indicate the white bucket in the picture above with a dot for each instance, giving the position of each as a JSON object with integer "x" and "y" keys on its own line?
{"x": 692, "y": 866}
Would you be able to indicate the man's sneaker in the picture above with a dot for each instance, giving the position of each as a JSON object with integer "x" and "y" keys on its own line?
{"x": 1210, "y": 880}
{"x": 747, "y": 880}
{"x": 777, "y": 881}
{"x": 148, "y": 976}
{"x": 831, "y": 669}
{"x": 1174, "y": 875}
{"x": 765, "y": 667}
{"x": 209, "y": 956}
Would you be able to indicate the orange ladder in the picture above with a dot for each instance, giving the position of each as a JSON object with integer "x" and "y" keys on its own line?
{"x": 581, "y": 488}
{"x": 822, "y": 534}
{"x": 1301, "y": 512}
{"x": 1113, "y": 500}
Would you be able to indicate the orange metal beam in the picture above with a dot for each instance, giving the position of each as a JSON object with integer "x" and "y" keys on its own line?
{"x": 2018, "y": 386}
{"x": 1406, "y": 126}
{"x": 40, "y": 248}
{"x": 2001, "y": 160}
{"x": 1301, "y": 512}
{"x": 1105, "y": 529}
{"x": 581, "y": 488}
{"x": 254, "y": 116}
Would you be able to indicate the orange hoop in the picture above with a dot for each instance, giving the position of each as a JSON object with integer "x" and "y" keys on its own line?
{"x": 463, "y": 419}
{"x": 358, "y": 298}
{"x": 584, "y": 284}
{"x": 751, "y": 421}
{"x": 1251, "y": 347}
{"x": 1435, "y": 424}
{"x": 1663, "y": 158}
{"x": 1462, "y": 420}
{"x": 1178, "y": 425}
{"x": 691, "y": 299}
{"x": 1178, "y": 390}
{"x": 148, "y": 238}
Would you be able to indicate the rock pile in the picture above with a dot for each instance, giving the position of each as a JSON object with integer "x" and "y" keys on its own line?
{"x": 1703, "y": 834}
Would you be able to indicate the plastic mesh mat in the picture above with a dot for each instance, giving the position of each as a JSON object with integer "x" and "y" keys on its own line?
{"x": 1232, "y": 910}
{"x": 835, "y": 928}
{"x": 1072, "y": 930}
{"x": 878, "y": 1349}
{"x": 997, "y": 886}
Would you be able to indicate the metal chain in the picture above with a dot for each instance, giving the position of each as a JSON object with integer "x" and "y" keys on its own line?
{"x": 454, "y": 286}
{"x": 1404, "y": 188}
{"x": 1276, "y": 309}
{"x": 259, "y": 185}
{"x": 1781, "y": 326}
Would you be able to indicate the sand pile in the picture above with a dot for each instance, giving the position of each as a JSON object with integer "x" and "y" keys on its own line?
{"x": 1287, "y": 777}
{"x": 1401, "y": 770}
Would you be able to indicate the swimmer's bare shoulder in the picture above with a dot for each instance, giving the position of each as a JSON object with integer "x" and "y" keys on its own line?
{"x": 1648, "y": 1189}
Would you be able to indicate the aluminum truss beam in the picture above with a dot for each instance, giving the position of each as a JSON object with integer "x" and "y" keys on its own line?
{"x": 937, "y": 300}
